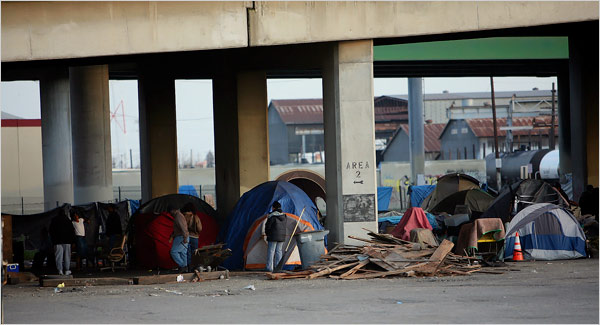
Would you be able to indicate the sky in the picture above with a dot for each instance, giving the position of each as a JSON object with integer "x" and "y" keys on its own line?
{"x": 195, "y": 133}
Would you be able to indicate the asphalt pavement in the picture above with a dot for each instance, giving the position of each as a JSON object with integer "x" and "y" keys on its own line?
{"x": 535, "y": 292}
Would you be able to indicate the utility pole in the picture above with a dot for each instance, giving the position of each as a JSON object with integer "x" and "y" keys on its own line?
{"x": 552, "y": 142}
{"x": 130, "y": 159}
{"x": 509, "y": 123}
{"x": 498, "y": 160}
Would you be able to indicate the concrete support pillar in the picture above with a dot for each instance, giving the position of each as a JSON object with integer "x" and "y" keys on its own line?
{"x": 416, "y": 123}
{"x": 90, "y": 127}
{"x": 564, "y": 124}
{"x": 241, "y": 135}
{"x": 158, "y": 134}
{"x": 583, "y": 76}
{"x": 56, "y": 139}
{"x": 349, "y": 125}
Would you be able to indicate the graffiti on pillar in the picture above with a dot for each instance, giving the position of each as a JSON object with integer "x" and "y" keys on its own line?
{"x": 357, "y": 168}
{"x": 359, "y": 207}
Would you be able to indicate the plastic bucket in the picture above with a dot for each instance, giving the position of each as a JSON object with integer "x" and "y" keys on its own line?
{"x": 311, "y": 245}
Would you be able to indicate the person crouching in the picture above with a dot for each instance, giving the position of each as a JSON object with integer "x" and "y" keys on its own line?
{"x": 275, "y": 230}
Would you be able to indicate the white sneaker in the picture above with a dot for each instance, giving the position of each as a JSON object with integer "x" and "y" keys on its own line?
{"x": 60, "y": 272}
{"x": 68, "y": 272}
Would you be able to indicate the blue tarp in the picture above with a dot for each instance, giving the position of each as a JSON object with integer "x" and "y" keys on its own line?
{"x": 134, "y": 205}
{"x": 384, "y": 194}
{"x": 188, "y": 189}
{"x": 419, "y": 193}
{"x": 432, "y": 221}
{"x": 255, "y": 204}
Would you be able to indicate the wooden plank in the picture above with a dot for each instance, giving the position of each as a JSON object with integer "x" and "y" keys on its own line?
{"x": 23, "y": 276}
{"x": 437, "y": 258}
{"x": 382, "y": 264}
{"x": 172, "y": 278}
{"x": 354, "y": 269}
{"x": 78, "y": 282}
{"x": 331, "y": 270}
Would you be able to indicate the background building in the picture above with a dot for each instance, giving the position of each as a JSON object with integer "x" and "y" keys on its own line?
{"x": 398, "y": 147}
{"x": 22, "y": 180}
{"x": 474, "y": 138}
{"x": 296, "y": 127}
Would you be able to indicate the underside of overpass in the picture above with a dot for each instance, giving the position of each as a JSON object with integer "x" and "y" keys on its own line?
{"x": 72, "y": 96}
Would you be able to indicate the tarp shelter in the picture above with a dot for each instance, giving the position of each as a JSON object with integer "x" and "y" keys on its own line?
{"x": 188, "y": 189}
{"x": 523, "y": 193}
{"x": 255, "y": 245}
{"x": 255, "y": 204}
{"x": 418, "y": 193}
{"x": 502, "y": 206}
{"x": 412, "y": 218}
{"x": 546, "y": 232}
{"x": 384, "y": 194}
{"x": 447, "y": 185}
{"x": 153, "y": 225}
{"x": 475, "y": 199}
{"x": 532, "y": 191}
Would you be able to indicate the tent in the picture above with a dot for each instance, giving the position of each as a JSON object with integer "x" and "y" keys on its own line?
{"x": 412, "y": 218}
{"x": 254, "y": 205}
{"x": 255, "y": 246}
{"x": 447, "y": 185}
{"x": 477, "y": 200}
{"x": 188, "y": 189}
{"x": 418, "y": 193}
{"x": 532, "y": 191}
{"x": 523, "y": 193}
{"x": 153, "y": 225}
{"x": 546, "y": 232}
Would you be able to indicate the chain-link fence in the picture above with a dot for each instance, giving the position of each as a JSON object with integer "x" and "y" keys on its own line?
{"x": 22, "y": 205}
{"x": 31, "y": 205}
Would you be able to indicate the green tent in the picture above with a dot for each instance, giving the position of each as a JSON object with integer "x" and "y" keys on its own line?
{"x": 477, "y": 200}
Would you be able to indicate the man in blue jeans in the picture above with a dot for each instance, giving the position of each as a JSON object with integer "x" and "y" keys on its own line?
{"x": 180, "y": 238}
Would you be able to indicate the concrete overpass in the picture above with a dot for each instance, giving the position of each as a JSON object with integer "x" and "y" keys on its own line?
{"x": 73, "y": 48}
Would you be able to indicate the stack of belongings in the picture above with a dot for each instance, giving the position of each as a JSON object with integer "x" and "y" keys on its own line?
{"x": 387, "y": 256}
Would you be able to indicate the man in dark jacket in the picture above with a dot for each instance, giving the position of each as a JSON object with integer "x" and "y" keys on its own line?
{"x": 62, "y": 235}
{"x": 275, "y": 230}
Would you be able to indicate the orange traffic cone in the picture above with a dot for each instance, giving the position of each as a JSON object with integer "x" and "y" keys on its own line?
{"x": 517, "y": 252}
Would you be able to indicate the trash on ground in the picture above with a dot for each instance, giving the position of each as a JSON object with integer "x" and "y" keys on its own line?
{"x": 173, "y": 291}
{"x": 387, "y": 256}
{"x": 250, "y": 287}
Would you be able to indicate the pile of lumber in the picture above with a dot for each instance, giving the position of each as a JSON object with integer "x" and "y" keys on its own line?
{"x": 385, "y": 256}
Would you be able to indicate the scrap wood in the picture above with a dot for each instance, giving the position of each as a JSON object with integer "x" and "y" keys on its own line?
{"x": 80, "y": 282}
{"x": 330, "y": 270}
{"x": 354, "y": 269}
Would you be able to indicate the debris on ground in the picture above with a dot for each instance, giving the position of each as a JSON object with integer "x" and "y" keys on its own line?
{"x": 387, "y": 256}
{"x": 250, "y": 287}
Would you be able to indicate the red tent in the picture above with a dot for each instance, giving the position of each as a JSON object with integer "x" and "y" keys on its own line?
{"x": 412, "y": 218}
{"x": 153, "y": 227}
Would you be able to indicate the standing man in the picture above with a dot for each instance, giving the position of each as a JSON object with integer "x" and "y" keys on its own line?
{"x": 113, "y": 227}
{"x": 194, "y": 229}
{"x": 180, "y": 238}
{"x": 62, "y": 235}
{"x": 275, "y": 231}
{"x": 80, "y": 242}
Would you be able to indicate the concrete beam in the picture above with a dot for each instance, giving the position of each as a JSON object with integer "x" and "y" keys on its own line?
{"x": 56, "y": 140}
{"x": 349, "y": 125}
{"x": 583, "y": 76}
{"x": 306, "y": 22}
{"x": 241, "y": 135}
{"x": 158, "y": 134}
{"x": 57, "y": 30}
{"x": 90, "y": 127}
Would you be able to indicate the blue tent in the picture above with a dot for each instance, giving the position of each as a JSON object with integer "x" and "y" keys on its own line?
{"x": 384, "y": 194}
{"x": 188, "y": 189}
{"x": 257, "y": 203}
{"x": 419, "y": 193}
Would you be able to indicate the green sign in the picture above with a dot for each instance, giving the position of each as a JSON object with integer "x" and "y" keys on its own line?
{"x": 495, "y": 48}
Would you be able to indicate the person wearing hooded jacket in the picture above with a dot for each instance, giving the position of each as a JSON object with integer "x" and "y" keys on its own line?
{"x": 276, "y": 231}
{"x": 62, "y": 235}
